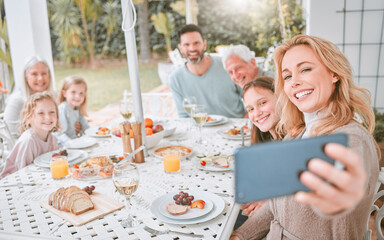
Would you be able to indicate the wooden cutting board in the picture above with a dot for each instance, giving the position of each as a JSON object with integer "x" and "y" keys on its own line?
{"x": 103, "y": 206}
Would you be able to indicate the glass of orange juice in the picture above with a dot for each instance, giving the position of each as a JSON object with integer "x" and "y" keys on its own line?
{"x": 171, "y": 163}
{"x": 59, "y": 167}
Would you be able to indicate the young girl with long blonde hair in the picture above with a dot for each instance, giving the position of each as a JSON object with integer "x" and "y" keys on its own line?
{"x": 39, "y": 118}
{"x": 72, "y": 108}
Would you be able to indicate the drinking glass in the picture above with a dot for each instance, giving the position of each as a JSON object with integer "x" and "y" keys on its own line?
{"x": 59, "y": 167}
{"x": 126, "y": 180}
{"x": 199, "y": 115}
{"x": 126, "y": 109}
{"x": 188, "y": 104}
{"x": 171, "y": 163}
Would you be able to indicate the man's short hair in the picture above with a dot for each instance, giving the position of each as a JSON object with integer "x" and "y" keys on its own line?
{"x": 190, "y": 28}
{"x": 240, "y": 50}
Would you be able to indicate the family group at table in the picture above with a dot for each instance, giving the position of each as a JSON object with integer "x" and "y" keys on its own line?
{"x": 312, "y": 93}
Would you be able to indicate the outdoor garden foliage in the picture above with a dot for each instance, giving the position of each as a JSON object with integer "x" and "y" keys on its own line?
{"x": 256, "y": 24}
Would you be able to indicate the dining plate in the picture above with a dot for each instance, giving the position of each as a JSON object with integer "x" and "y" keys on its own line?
{"x": 74, "y": 156}
{"x": 218, "y": 207}
{"x": 79, "y": 143}
{"x": 211, "y": 167}
{"x": 92, "y": 132}
{"x": 218, "y": 120}
{"x": 192, "y": 212}
{"x": 232, "y": 137}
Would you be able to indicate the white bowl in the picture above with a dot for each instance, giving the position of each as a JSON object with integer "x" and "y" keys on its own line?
{"x": 154, "y": 139}
{"x": 169, "y": 130}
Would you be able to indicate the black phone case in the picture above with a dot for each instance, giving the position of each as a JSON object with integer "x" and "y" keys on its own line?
{"x": 272, "y": 169}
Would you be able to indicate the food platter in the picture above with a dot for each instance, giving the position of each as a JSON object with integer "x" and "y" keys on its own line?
{"x": 210, "y": 164}
{"x": 232, "y": 137}
{"x": 191, "y": 213}
{"x": 218, "y": 207}
{"x": 94, "y": 168}
{"x": 93, "y": 132}
{"x": 215, "y": 120}
{"x": 182, "y": 151}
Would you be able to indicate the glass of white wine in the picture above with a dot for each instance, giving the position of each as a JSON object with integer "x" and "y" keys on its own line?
{"x": 126, "y": 180}
{"x": 199, "y": 115}
{"x": 126, "y": 109}
{"x": 188, "y": 104}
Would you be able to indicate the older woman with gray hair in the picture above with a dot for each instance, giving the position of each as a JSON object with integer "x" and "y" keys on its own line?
{"x": 241, "y": 66}
{"x": 38, "y": 78}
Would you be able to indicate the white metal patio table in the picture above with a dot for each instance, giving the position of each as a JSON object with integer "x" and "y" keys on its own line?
{"x": 22, "y": 216}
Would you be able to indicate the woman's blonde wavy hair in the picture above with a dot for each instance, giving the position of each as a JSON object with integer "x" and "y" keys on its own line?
{"x": 29, "y": 108}
{"x": 69, "y": 81}
{"x": 347, "y": 102}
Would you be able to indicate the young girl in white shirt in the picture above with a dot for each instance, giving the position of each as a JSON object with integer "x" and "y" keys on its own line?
{"x": 38, "y": 120}
{"x": 72, "y": 108}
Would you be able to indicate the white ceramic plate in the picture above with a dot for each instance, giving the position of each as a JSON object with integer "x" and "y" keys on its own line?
{"x": 232, "y": 137}
{"x": 74, "y": 156}
{"x": 79, "y": 143}
{"x": 210, "y": 166}
{"x": 192, "y": 212}
{"x": 92, "y": 132}
{"x": 219, "y": 120}
{"x": 218, "y": 207}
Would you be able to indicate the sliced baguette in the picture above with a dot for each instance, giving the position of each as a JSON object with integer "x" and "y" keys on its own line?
{"x": 71, "y": 199}
{"x": 175, "y": 209}
{"x": 81, "y": 205}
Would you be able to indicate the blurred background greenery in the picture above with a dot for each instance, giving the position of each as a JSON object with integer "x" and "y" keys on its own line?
{"x": 87, "y": 39}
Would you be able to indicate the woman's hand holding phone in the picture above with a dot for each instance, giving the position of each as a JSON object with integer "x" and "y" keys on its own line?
{"x": 343, "y": 189}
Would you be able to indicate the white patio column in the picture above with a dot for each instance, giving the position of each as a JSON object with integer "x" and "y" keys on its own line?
{"x": 133, "y": 66}
{"x": 28, "y": 31}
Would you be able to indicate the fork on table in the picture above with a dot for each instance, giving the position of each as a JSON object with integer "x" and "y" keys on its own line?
{"x": 156, "y": 232}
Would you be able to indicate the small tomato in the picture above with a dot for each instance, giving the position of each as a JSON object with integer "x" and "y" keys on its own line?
{"x": 203, "y": 163}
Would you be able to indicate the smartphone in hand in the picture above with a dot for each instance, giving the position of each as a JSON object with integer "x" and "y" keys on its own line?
{"x": 272, "y": 169}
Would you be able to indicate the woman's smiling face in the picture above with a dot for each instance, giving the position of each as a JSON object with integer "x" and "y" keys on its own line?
{"x": 307, "y": 82}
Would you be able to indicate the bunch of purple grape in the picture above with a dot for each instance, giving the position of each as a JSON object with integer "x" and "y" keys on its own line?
{"x": 89, "y": 189}
{"x": 183, "y": 198}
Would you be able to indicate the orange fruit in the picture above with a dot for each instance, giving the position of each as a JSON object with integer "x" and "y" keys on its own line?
{"x": 148, "y": 123}
{"x": 148, "y": 131}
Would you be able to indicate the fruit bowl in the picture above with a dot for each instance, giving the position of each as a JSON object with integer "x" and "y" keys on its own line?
{"x": 169, "y": 130}
{"x": 154, "y": 139}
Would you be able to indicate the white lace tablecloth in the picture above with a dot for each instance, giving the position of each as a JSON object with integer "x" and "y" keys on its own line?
{"x": 21, "y": 214}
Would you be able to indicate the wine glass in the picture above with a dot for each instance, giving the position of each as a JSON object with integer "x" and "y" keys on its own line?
{"x": 188, "y": 104}
{"x": 126, "y": 180}
{"x": 199, "y": 115}
{"x": 126, "y": 109}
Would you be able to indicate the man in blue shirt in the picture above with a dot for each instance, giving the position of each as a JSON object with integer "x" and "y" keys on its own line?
{"x": 204, "y": 77}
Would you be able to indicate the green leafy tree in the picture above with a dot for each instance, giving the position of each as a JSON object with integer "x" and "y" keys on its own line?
{"x": 90, "y": 11}
{"x": 110, "y": 11}
{"x": 65, "y": 19}
{"x": 163, "y": 25}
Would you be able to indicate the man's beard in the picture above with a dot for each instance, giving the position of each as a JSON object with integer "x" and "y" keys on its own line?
{"x": 198, "y": 60}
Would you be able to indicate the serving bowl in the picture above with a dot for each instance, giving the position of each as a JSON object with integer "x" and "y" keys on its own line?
{"x": 154, "y": 139}
{"x": 169, "y": 130}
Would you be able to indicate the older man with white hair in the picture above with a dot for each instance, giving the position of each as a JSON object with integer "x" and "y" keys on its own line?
{"x": 241, "y": 66}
